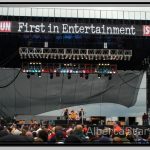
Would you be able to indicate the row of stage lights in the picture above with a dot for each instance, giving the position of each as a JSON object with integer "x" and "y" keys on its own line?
{"x": 33, "y": 68}
{"x": 82, "y": 75}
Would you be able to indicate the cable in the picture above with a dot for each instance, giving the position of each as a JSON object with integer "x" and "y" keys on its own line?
{"x": 98, "y": 94}
{"x": 46, "y": 93}
{"x": 91, "y": 89}
{"x": 7, "y": 60}
{"x": 11, "y": 81}
{"x": 109, "y": 88}
{"x": 30, "y": 97}
{"x": 61, "y": 90}
{"x": 126, "y": 82}
{"x": 75, "y": 89}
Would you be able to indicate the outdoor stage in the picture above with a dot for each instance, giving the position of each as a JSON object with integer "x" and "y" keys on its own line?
{"x": 54, "y": 63}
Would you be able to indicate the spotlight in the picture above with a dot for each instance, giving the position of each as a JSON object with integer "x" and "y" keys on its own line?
{"x": 109, "y": 77}
{"x": 99, "y": 75}
{"x": 69, "y": 75}
{"x": 86, "y": 76}
{"x": 39, "y": 75}
{"x": 28, "y": 75}
{"x": 24, "y": 70}
{"x": 51, "y": 75}
{"x": 81, "y": 75}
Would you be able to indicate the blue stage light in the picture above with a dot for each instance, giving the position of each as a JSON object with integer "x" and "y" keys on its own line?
{"x": 77, "y": 36}
{"x": 68, "y": 36}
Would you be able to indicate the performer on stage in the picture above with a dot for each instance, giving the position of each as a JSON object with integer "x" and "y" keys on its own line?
{"x": 66, "y": 114}
{"x": 73, "y": 115}
{"x": 81, "y": 115}
{"x": 145, "y": 119}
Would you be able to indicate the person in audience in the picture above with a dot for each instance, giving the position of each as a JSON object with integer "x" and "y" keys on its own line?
{"x": 117, "y": 140}
{"x": 105, "y": 138}
{"x": 71, "y": 134}
{"x": 38, "y": 141}
{"x": 42, "y": 134}
{"x": 73, "y": 139}
{"x": 116, "y": 127}
{"x": 3, "y": 133}
{"x": 58, "y": 135}
{"x": 16, "y": 130}
{"x": 34, "y": 135}
{"x": 78, "y": 131}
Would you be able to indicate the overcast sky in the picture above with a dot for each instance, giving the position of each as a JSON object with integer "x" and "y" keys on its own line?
{"x": 108, "y": 8}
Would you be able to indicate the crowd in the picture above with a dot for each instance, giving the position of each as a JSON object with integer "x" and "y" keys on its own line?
{"x": 73, "y": 134}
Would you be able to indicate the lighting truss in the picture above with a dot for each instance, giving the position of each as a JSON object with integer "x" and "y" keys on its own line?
{"x": 74, "y": 54}
{"x": 61, "y": 68}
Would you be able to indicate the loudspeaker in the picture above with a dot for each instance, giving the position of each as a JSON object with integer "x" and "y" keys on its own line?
{"x": 121, "y": 119}
{"x": 132, "y": 121}
{"x": 98, "y": 120}
{"x": 58, "y": 118}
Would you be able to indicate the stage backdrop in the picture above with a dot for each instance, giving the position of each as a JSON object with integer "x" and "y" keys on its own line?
{"x": 39, "y": 95}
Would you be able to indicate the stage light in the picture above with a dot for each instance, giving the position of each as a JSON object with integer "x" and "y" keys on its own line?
{"x": 28, "y": 75}
{"x": 51, "y": 75}
{"x": 83, "y": 71}
{"x": 69, "y": 75}
{"x": 33, "y": 71}
{"x": 86, "y": 76}
{"x": 109, "y": 77}
{"x": 39, "y": 75}
{"x": 99, "y": 75}
{"x": 45, "y": 44}
{"x": 24, "y": 70}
